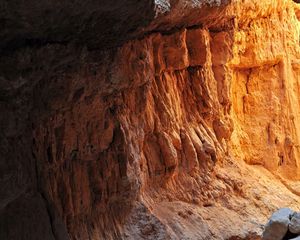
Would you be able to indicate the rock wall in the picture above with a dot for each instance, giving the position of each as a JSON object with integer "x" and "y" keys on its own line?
{"x": 265, "y": 87}
{"x": 184, "y": 131}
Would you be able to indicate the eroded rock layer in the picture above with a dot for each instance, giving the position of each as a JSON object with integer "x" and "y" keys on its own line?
{"x": 188, "y": 130}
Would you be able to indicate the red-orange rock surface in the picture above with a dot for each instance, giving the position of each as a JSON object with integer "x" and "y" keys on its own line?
{"x": 187, "y": 127}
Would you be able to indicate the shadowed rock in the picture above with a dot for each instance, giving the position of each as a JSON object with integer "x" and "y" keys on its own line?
{"x": 294, "y": 226}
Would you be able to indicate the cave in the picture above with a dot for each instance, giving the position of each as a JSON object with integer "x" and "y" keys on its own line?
{"x": 148, "y": 119}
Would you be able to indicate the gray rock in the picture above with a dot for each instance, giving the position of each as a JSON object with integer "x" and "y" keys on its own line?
{"x": 278, "y": 224}
{"x": 294, "y": 226}
{"x": 297, "y": 238}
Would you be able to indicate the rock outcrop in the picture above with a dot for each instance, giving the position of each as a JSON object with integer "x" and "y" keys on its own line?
{"x": 148, "y": 119}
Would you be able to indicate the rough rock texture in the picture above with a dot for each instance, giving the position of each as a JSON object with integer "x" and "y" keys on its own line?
{"x": 294, "y": 225}
{"x": 147, "y": 120}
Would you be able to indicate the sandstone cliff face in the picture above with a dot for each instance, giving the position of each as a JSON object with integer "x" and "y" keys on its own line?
{"x": 265, "y": 85}
{"x": 186, "y": 129}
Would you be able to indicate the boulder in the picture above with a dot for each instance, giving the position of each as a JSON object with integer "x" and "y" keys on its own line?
{"x": 294, "y": 225}
{"x": 278, "y": 224}
{"x": 297, "y": 238}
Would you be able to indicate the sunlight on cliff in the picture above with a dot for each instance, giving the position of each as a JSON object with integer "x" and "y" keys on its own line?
{"x": 265, "y": 86}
